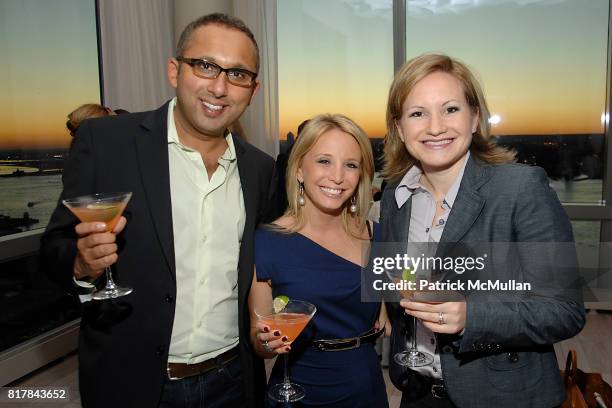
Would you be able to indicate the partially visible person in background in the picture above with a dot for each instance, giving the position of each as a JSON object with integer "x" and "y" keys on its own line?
{"x": 301, "y": 127}
{"x": 86, "y": 111}
{"x": 281, "y": 169}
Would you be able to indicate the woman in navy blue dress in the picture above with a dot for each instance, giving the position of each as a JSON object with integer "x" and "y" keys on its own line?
{"x": 314, "y": 253}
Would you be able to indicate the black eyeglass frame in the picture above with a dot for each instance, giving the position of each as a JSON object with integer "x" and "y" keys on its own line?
{"x": 193, "y": 61}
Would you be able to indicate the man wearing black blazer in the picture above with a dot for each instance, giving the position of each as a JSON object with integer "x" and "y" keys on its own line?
{"x": 185, "y": 241}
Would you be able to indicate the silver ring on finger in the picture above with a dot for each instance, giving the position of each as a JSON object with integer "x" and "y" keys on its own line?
{"x": 441, "y": 320}
{"x": 266, "y": 346}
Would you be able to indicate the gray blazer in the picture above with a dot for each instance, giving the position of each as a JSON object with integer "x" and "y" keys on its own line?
{"x": 505, "y": 357}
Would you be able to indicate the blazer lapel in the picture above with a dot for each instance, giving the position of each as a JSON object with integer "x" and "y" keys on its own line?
{"x": 401, "y": 224}
{"x": 398, "y": 223}
{"x": 469, "y": 202}
{"x": 248, "y": 183}
{"x": 152, "y": 151}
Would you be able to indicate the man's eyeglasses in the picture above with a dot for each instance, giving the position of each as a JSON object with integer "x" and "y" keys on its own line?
{"x": 209, "y": 70}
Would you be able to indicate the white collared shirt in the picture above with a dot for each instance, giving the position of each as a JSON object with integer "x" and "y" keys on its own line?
{"x": 208, "y": 218}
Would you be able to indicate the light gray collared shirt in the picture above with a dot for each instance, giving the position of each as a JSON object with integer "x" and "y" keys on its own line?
{"x": 421, "y": 230}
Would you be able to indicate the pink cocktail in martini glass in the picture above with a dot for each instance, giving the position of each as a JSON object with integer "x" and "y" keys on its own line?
{"x": 106, "y": 208}
{"x": 290, "y": 321}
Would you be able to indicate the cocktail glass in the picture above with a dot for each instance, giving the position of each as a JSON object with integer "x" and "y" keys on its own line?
{"x": 107, "y": 208}
{"x": 406, "y": 283}
{"x": 290, "y": 322}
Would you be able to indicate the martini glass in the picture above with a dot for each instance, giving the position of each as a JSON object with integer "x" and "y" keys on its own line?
{"x": 106, "y": 208}
{"x": 406, "y": 282}
{"x": 290, "y": 322}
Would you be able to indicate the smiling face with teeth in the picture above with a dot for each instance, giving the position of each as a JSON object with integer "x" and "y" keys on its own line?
{"x": 206, "y": 107}
{"x": 330, "y": 171}
{"x": 437, "y": 123}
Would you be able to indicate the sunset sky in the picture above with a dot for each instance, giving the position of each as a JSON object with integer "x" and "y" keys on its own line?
{"x": 542, "y": 63}
{"x": 49, "y": 67}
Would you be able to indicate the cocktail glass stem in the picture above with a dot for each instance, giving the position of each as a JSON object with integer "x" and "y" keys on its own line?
{"x": 286, "y": 382}
{"x": 413, "y": 357}
{"x": 110, "y": 284}
{"x": 414, "y": 334}
{"x": 111, "y": 289}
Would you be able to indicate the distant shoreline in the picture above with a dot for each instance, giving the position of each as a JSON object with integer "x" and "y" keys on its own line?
{"x": 21, "y": 172}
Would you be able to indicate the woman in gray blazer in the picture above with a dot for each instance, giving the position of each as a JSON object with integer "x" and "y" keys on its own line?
{"x": 450, "y": 183}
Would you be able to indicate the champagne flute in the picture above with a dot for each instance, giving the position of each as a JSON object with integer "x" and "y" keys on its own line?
{"x": 290, "y": 321}
{"x": 107, "y": 208}
{"x": 406, "y": 282}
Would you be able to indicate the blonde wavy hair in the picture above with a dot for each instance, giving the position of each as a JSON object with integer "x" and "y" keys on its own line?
{"x": 86, "y": 111}
{"x": 311, "y": 133}
{"x": 397, "y": 159}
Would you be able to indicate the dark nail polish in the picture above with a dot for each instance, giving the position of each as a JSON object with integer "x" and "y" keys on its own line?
{"x": 266, "y": 330}
{"x": 285, "y": 338}
{"x": 287, "y": 349}
{"x": 277, "y": 333}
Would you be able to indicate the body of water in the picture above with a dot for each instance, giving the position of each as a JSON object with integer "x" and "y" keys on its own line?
{"x": 587, "y": 191}
{"x": 583, "y": 192}
{"x": 36, "y": 195}
{"x": 12, "y": 169}
{"x": 42, "y": 192}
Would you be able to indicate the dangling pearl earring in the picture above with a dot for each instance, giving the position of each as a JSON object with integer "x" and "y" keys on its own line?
{"x": 353, "y": 207}
{"x": 300, "y": 200}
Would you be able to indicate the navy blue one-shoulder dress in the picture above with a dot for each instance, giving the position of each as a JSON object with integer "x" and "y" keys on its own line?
{"x": 303, "y": 270}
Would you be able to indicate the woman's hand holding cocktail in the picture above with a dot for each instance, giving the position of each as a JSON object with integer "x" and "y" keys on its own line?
{"x": 96, "y": 248}
{"x": 272, "y": 342}
{"x": 445, "y": 317}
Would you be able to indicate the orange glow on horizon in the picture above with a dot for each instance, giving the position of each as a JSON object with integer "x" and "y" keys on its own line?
{"x": 528, "y": 125}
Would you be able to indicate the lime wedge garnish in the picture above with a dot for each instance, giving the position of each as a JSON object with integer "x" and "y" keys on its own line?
{"x": 407, "y": 275}
{"x": 279, "y": 303}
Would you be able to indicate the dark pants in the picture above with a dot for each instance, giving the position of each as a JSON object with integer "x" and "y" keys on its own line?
{"x": 218, "y": 388}
{"x": 428, "y": 401}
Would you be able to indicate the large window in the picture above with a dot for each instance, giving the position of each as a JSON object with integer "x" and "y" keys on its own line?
{"x": 49, "y": 67}
{"x": 49, "y": 52}
{"x": 544, "y": 68}
{"x": 543, "y": 65}
{"x": 334, "y": 57}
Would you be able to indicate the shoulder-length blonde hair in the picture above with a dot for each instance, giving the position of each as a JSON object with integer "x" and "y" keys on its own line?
{"x": 311, "y": 133}
{"x": 397, "y": 159}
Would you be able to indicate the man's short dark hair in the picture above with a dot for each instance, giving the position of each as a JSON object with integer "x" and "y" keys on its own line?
{"x": 219, "y": 19}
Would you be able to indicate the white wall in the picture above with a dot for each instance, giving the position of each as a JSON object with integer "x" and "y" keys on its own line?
{"x": 136, "y": 41}
{"x": 185, "y": 11}
{"x": 260, "y": 121}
